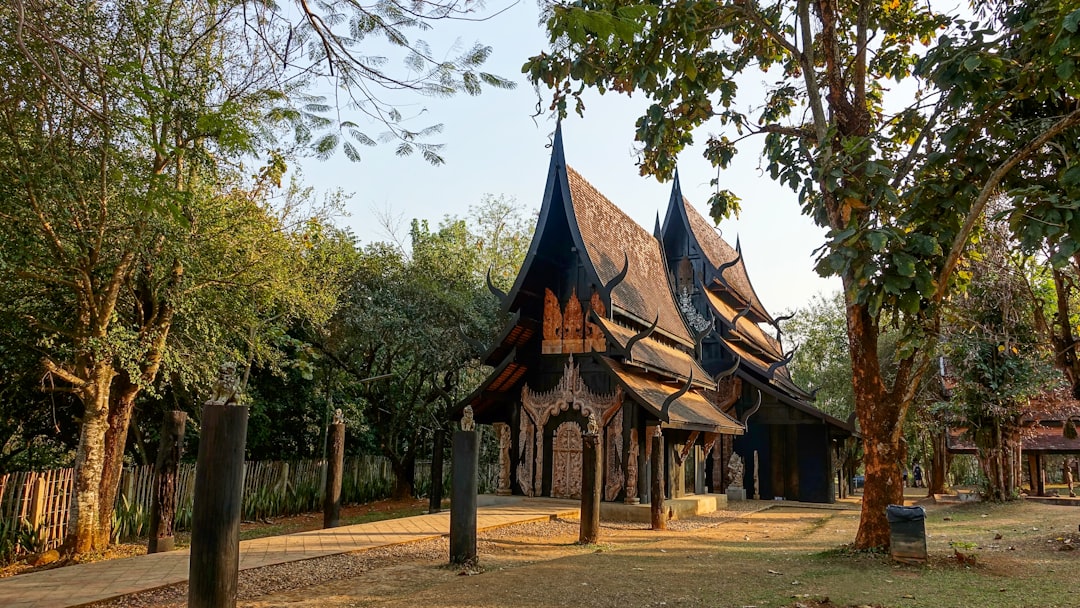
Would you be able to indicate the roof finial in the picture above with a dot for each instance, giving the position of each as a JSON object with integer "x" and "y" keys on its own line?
{"x": 657, "y": 231}
{"x": 557, "y": 155}
{"x": 738, "y": 245}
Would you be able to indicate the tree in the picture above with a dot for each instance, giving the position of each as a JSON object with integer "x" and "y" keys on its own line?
{"x": 126, "y": 216}
{"x": 996, "y": 359}
{"x": 885, "y": 183}
{"x": 822, "y": 364}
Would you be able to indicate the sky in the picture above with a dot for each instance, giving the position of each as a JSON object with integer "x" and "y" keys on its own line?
{"x": 495, "y": 144}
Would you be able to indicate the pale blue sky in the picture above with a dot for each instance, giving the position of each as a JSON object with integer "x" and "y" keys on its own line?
{"x": 495, "y": 145}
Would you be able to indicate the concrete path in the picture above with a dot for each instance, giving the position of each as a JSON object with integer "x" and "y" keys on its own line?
{"x": 87, "y": 583}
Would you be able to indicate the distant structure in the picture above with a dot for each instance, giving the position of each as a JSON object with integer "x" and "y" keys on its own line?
{"x": 644, "y": 331}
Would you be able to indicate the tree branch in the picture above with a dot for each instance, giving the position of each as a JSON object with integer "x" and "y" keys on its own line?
{"x": 960, "y": 241}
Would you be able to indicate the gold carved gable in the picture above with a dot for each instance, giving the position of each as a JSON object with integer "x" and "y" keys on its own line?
{"x": 569, "y": 330}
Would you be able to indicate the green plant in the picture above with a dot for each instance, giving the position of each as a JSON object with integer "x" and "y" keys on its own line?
{"x": 130, "y": 520}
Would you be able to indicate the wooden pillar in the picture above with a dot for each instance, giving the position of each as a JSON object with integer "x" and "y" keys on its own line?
{"x": 215, "y": 518}
{"x": 466, "y": 455}
{"x": 676, "y": 475}
{"x": 591, "y": 476}
{"x": 163, "y": 504}
{"x": 436, "y": 493}
{"x": 699, "y": 470}
{"x": 830, "y": 463}
{"x": 656, "y": 473}
{"x": 335, "y": 463}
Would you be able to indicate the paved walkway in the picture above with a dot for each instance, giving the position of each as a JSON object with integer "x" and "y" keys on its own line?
{"x": 87, "y": 583}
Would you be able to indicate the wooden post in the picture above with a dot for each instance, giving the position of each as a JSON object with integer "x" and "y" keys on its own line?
{"x": 163, "y": 505}
{"x": 335, "y": 462}
{"x": 37, "y": 505}
{"x": 591, "y": 476}
{"x": 676, "y": 471}
{"x": 215, "y": 518}
{"x": 757, "y": 486}
{"x": 656, "y": 473}
{"x": 466, "y": 455}
{"x": 436, "y": 493}
{"x": 699, "y": 470}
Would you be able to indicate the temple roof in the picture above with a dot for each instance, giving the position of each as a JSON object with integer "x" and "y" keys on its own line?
{"x": 650, "y": 354}
{"x": 612, "y": 237}
{"x": 746, "y": 329}
{"x": 719, "y": 253}
{"x": 690, "y": 411}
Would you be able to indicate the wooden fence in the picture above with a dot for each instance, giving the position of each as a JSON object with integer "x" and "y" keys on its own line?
{"x": 34, "y": 506}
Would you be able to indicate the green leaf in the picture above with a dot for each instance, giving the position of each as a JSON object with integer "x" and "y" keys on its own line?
{"x": 1065, "y": 69}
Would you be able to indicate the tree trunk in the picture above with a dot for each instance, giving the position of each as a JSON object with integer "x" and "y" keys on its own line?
{"x": 938, "y": 463}
{"x": 122, "y": 402}
{"x": 998, "y": 447}
{"x": 881, "y": 416}
{"x": 84, "y": 519}
{"x": 404, "y": 478}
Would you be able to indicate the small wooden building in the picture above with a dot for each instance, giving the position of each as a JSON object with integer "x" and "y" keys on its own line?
{"x": 599, "y": 324}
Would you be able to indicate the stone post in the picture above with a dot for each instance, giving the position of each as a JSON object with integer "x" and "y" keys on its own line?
{"x": 335, "y": 466}
{"x": 466, "y": 456}
{"x": 656, "y": 474}
{"x": 591, "y": 476}
{"x": 215, "y": 518}
{"x": 163, "y": 504}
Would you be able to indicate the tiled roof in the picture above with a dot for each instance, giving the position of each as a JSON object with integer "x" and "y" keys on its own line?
{"x": 658, "y": 356}
{"x": 1045, "y": 439}
{"x": 747, "y": 329}
{"x": 719, "y": 253}
{"x": 690, "y": 411}
{"x": 608, "y": 234}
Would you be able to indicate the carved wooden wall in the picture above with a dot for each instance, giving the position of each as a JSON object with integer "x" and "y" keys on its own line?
{"x": 569, "y": 330}
{"x": 539, "y": 407}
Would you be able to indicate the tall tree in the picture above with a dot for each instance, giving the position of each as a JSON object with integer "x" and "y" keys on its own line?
{"x": 124, "y": 215}
{"x": 877, "y": 177}
{"x": 997, "y": 360}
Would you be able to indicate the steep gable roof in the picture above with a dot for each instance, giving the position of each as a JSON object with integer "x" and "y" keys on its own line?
{"x": 610, "y": 237}
{"x": 719, "y": 253}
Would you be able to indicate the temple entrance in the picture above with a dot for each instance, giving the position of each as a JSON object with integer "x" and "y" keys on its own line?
{"x": 566, "y": 461}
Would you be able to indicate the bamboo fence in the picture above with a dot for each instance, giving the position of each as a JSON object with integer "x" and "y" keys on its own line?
{"x": 34, "y": 506}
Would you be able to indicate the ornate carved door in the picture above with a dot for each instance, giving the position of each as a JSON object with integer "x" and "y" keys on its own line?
{"x": 566, "y": 465}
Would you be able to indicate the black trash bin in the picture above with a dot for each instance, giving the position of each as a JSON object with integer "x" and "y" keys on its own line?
{"x": 907, "y": 533}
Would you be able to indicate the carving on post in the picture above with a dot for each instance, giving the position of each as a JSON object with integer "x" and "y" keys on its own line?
{"x": 503, "y": 431}
{"x": 735, "y": 471}
{"x": 632, "y": 470}
{"x": 593, "y": 427}
{"x": 613, "y": 455}
{"x": 525, "y": 464}
{"x": 467, "y": 421}
{"x": 339, "y": 417}
{"x": 227, "y": 386}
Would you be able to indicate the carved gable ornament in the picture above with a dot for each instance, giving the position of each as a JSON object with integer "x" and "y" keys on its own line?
{"x": 569, "y": 331}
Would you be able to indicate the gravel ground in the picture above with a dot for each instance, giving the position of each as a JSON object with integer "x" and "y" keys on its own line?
{"x": 259, "y": 582}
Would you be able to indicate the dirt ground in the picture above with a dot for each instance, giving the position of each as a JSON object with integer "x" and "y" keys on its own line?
{"x": 1010, "y": 555}
{"x": 248, "y": 529}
